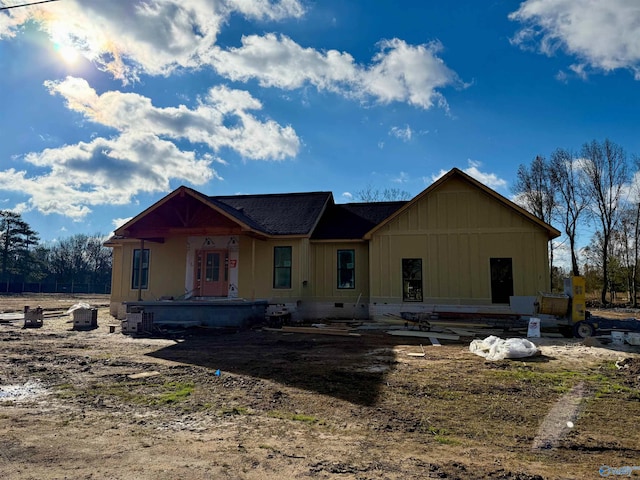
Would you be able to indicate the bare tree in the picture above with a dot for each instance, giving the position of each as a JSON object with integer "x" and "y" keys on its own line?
{"x": 632, "y": 217}
{"x": 534, "y": 191}
{"x": 623, "y": 247}
{"x": 81, "y": 258}
{"x": 568, "y": 183}
{"x": 370, "y": 194}
{"x": 605, "y": 168}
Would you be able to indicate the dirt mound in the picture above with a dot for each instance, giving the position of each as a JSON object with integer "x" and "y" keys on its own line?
{"x": 629, "y": 368}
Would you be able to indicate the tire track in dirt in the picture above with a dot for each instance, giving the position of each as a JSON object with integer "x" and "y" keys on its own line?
{"x": 560, "y": 419}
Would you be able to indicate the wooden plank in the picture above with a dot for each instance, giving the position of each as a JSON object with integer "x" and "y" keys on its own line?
{"x": 320, "y": 331}
{"x": 416, "y": 333}
{"x": 453, "y": 323}
{"x": 463, "y": 332}
{"x": 136, "y": 376}
{"x": 434, "y": 341}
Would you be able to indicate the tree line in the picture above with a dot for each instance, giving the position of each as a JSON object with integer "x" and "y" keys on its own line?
{"x": 591, "y": 189}
{"x": 76, "y": 260}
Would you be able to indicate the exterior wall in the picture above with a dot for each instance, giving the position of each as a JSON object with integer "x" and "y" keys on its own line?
{"x": 324, "y": 298}
{"x": 255, "y": 269}
{"x": 314, "y": 292}
{"x": 455, "y": 230}
{"x": 117, "y": 285}
{"x": 167, "y": 268}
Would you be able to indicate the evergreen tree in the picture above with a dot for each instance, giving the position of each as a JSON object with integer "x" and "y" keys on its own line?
{"x": 17, "y": 239}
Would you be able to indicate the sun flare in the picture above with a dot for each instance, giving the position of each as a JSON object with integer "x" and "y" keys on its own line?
{"x": 68, "y": 54}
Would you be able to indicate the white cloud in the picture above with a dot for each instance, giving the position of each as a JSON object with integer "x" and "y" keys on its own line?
{"x": 403, "y": 177}
{"x": 579, "y": 70}
{"x": 562, "y": 76}
{"x": 206, "y": 124}
{"x": 603, "y": 35}
{"x": 489, "y": 179}
{"x": 118, "y": 222}
{"x": 348, "y": 196}
{"x": 473, "y": 170}
{"x": 156, "y": 37}
{"x": 103, "y": 172}
{"x": 142, "y": 157}
{"x": 399, "y": 72}
{"x": 403, "y": 134}
{"x": 266, "y": 9}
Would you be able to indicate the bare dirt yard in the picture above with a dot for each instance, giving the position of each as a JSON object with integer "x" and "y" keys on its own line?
{"x": 270, "y": 405}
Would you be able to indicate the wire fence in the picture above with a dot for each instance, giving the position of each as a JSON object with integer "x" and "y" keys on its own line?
{"x": 54, "y": 287}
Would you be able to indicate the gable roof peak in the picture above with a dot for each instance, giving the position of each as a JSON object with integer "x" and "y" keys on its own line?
{"x": 551, "y": 231}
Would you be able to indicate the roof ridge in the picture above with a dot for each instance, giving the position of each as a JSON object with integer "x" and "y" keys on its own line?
{"x": 283, "y": 194}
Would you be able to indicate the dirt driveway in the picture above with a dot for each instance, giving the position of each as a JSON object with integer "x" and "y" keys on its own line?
{"x": 270, "y": 405}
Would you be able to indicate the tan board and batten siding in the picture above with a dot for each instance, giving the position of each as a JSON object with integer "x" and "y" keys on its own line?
{"x": 167, "y": 269}
{"x": 455, "y": 228}
{"x": 324, "y": 267}
{"x": 255, "y": 279}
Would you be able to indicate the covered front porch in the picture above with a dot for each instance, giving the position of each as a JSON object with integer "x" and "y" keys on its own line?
{"x": 185, "y": 247}
{"x": 150, "y": 317}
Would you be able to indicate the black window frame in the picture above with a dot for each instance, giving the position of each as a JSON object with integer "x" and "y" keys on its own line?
{"x": 412, "y": 280}
{"x": 280, "y": 266}
{"x": 135, "y": 270}
{"x": 344, "y": 269}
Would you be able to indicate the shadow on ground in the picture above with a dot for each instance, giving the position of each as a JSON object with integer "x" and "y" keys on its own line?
{"x": 348, "y": 368}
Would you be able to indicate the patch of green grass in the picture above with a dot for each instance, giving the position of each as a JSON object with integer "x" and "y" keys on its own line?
{"x": 441, "y": 435}
{"x": 448, "y": 395}
{"x": 611, "y": 388}
{"x": 438, "y": 431}
{"x": 297, "y": 417}
{"x": 560, "y": 382}
{"x": 140, "y": 393}
{"x": 601, "y": 380}
{"x": 304, "y": 418}
{"x": 446, "y": 440}
{"x": 235, "y": 411}
{"x": 175, "y": 392}
{"x": 123, "y": 391}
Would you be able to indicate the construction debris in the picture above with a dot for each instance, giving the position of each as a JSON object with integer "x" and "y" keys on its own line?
{"x": 323, "y": 331}
{"x": 137, "y": 376}
{"x": 430, "y": 335}
{"x": 494, "y": 348}
{"x": 33, "y": 318}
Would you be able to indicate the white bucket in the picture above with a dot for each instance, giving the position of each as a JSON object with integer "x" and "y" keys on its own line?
{"x": 617, "y": 338}
{"x": 633, "y": 338}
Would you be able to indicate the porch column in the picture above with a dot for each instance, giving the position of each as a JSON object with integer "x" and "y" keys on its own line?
{"x": 253, "y": 268}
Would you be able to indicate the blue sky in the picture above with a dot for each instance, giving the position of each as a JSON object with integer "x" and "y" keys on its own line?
{"x": 108, "y": 106}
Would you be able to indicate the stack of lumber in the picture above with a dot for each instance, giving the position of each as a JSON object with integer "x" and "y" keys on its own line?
{"x": 318, "y": 329}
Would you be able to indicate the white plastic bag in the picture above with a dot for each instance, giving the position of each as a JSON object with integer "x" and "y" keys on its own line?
{"x": 494, "y": 348}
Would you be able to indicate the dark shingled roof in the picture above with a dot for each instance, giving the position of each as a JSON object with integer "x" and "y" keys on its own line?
{"x": 276, "y": 214}
{"x": 352, "y": 220}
